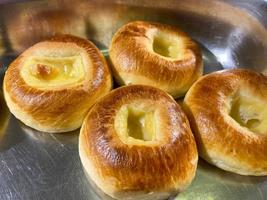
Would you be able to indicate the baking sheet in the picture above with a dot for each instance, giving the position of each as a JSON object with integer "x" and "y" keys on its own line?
{"x": 36, "y": 165}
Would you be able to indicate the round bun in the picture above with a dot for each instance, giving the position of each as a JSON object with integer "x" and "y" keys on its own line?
{"x": 136, "y": 143}
{"x": 228, "y": 114}
{"x": 51, "y": 86}
{"x": 157, "y": 55}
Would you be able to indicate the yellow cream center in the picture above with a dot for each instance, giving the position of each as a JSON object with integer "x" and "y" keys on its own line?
{"x": 168, "y": 46}
{"x": 135, "y": 125}
{"x": 250, "y": 112}
{"x": 46, "y": 72}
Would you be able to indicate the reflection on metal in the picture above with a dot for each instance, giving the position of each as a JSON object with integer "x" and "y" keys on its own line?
{"x": 4, "y": 117}
{"x": 212, "y": 183}
{"x": 42, "y": 24}
{"x": 35, "y": 165}
{"x": 43, "y": 137}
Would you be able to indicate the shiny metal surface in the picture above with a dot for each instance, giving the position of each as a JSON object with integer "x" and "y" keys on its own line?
{"x": 35, "y": 165}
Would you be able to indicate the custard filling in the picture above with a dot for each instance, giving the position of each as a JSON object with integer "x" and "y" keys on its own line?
{"x": 46, "y": 72}
{"x": 168, "y": 45}
{"x": 250, "y": 112}
{"x": 132, "y": 123}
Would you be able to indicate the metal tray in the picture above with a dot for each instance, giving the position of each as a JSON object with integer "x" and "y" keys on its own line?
{"x": 36, "y": 165}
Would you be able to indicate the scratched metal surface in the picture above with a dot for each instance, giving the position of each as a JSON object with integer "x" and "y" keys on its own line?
{"x": 35, "y": 165}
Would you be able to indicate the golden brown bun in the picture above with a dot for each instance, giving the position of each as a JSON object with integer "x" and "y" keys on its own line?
{"x": 57, "y": 108}
{"x": 227, "y": 111}
{"x": 128, "y": 168}
{"x": 135, "y": 61}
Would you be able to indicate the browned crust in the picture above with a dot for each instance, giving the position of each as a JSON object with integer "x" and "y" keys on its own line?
{"x": 167, "y": 166}
{"x": 58, "y": 105}
{"x": 222, "y": 142}
{"x": 129, "y": 54}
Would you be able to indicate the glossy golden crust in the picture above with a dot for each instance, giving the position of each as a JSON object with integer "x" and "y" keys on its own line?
{"x": 135, "y": 62}
{"x": 146, "y": 170}
{"x": 221, "y": 140}
{"x": 62, "y": 108}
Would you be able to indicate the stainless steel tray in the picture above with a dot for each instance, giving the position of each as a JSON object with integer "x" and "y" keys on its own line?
{"x": 36, "y": 165}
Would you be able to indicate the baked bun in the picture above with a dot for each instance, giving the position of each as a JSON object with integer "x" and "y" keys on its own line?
{"x": 51, "y": 86}
{"x": 157, "y": 55}
{"x": 228, "y": 114}
{"x": 136, "y": 143}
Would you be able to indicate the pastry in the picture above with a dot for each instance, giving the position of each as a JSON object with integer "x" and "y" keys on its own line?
{"x": 136, "y": 143}
{"x": 157, "y": 55}
{"x": 228, "y": 114}
{"x": 51, "y": 86}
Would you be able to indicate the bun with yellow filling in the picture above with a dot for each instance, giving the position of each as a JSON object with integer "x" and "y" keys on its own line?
{"x": 157, "y": 55}
{"x": 228, "y": 114}
{"x": 136, "y": 143}
{"x": 51, "y": 86}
